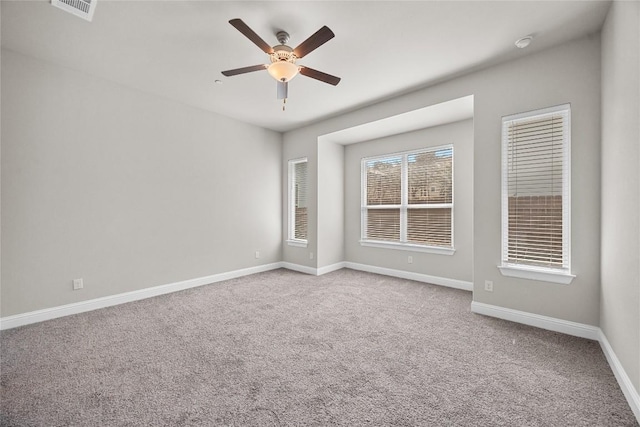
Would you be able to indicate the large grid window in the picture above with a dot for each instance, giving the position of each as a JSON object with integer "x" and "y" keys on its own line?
{"x": 407, "y": 200}
{"x": 536, "y": 194}
{"x": 298, "y": 202}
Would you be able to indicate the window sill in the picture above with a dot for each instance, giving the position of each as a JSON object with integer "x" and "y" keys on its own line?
{"x": 297, "y": 243}
{"x": 408, "y": 247}
{"x": 532, "y": 273}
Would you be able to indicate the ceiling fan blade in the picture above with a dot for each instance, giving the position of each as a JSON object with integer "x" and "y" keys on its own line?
{"x": 319, "y": 75}
{"x": 283, "y": 90}
{"x": 251, "y": 35}
{"x": 243, "y": 70}
{"x": 316, "y": 40}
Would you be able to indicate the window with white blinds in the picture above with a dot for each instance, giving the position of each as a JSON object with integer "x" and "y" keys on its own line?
{"x": 298, "y": 202}
{"x": 536, "y": 190}
{"x": 407, "y": 199}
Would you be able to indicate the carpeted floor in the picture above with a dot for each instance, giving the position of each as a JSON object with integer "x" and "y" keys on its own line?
{"x": 283, "y": 348}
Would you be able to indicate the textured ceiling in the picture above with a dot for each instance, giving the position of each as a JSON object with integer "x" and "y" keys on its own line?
{"x": 177, "y": 49}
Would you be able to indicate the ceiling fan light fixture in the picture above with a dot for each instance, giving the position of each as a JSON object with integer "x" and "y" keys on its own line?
{"x": 283, "y": 71}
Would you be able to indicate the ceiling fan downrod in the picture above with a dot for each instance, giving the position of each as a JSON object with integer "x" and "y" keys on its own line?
{"x": 283, "y": 37}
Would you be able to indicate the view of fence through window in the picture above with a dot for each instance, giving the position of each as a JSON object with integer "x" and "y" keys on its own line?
{"x": 417, "y": 211}
{"x": 535, "y": 230}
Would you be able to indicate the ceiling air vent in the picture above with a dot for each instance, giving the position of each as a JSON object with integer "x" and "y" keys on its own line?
{"x": 82, "y": 8}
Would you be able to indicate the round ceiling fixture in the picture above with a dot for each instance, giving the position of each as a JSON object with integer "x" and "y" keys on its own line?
{"x": 524, "y": 42}
{"x": 283, "y": 71}
{"x": 283, "y": 61}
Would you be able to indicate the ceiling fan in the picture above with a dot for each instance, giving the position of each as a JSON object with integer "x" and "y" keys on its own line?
{"x": 283, "y": 59}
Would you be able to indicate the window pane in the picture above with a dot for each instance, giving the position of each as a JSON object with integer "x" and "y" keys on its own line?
{"x": 300, "y": 200}
{"x": 535, "y": 230}
{"x": 429, "y": 226}
{"x": 383, "y": 224}
{"x": 383, "y": 181}
{"x": 430, "y": 177}
{"x": 301, "y": 224}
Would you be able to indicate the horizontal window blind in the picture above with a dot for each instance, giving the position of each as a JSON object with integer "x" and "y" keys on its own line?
{"x": 429, "y": 226}
{"x": 383, "y": 224}
{"x": 301, "y": 200}
{"x": 298, "y": 200}
{"x": 536, "y": 189}
{"x": 430, "y": 177}
{"x": 408, "y": 198}
{"x": 384, "y": 181}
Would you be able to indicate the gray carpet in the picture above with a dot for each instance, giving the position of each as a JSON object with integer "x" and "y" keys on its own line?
{"x": 283, "y": 348}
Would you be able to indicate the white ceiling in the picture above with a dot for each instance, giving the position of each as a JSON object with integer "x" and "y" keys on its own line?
{"x": 433, "y": 115}
{"x": 177, "y": 49}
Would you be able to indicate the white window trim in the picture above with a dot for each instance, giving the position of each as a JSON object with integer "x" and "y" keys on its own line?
{"x": 532, "y": 273}
{"x": 554, "y": 275}
{"x": 402, "y": 245}
{"x": 408, "y": 247}
{"x": 291, "y": 240}
{"x": 299, "y": 243}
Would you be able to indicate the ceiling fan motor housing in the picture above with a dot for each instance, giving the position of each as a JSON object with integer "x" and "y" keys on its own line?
{"x": 283, "y": 37}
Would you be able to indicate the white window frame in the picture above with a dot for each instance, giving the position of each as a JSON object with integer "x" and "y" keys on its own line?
{"x": 403, "y": 244}
{"x": 547, "y": 274}
{"x": 291, "y": 204}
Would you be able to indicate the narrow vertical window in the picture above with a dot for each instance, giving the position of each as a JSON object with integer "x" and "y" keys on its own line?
{"x": 298, "y": 202}
{"x": 536, "y": 194}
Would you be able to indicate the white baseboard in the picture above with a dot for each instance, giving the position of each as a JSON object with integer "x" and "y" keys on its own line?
{"x": 629, "y": 391}
{"x": 569, "y": 328}
{"x": 419, "y": 277}
{"x": 329, "y": 268}
{"x": 300, "y": 268}
{"x": 22, "y": 319}
{"x": 311, "y": 270}
{"x": 544, "y": 322}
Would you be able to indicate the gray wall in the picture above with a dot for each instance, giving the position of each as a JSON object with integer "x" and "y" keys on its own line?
{"x": 620, "y": 264}
{"x": 0, "y": 171}
{"x": 457, "y": 266}
{"x": 330, "y": 203}
{"x": 295, "y": 149}
{"x": 124, "y": 189}
{"x": 569, "y": 73}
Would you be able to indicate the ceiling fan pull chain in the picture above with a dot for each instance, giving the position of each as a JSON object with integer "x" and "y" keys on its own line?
{"x": 284, "y": 103}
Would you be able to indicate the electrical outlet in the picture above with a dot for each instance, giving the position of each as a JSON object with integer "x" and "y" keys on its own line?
{"x": 77, "y": 284}
{"x": 310, "y": 255}
{"x": 257, "y": 254}
{"x": 488, "y": 285}
{"x": 410, "y": 259}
